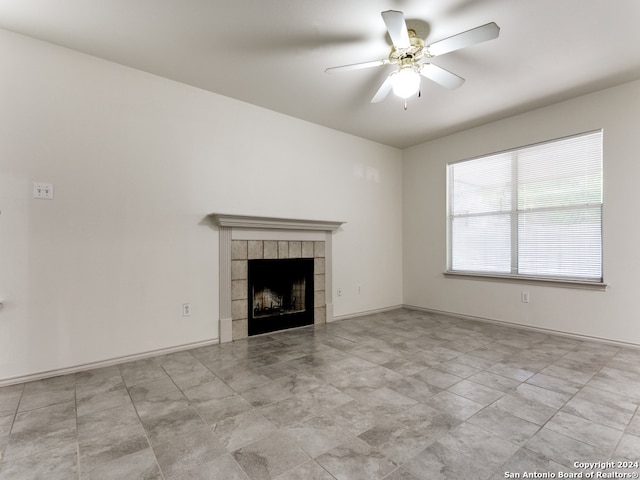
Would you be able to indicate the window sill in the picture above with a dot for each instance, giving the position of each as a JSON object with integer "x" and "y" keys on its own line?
{"x": 551, "y": 282}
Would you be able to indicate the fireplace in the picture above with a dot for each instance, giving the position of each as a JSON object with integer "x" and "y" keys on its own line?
{"x": 266, "y": 275}
{"x": 280, "y": 294}
{"x": 244, "y": 239}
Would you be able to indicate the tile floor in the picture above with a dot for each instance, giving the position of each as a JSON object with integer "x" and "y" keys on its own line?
{"x": 402, "y": 395}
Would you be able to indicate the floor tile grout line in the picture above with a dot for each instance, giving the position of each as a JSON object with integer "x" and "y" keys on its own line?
{"x": 146, "y": 435}
{"x": 15, "y": 414}
{"x": 75, "y": 399}
{"x": 13, "y": 421}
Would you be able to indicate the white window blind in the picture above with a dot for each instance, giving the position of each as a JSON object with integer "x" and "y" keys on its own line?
{"x": 535, "y": 211}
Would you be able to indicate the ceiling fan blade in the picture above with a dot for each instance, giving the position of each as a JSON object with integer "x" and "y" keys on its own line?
{"x": 384, "y": 90}
{"x": 397, "y": 28}
{"x": 465, "y": 39}
{"x": 441, "y": 76}
{"x": 357, "y": 66}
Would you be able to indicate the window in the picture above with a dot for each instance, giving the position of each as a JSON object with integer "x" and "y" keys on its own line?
{"x": 535, "y": 211}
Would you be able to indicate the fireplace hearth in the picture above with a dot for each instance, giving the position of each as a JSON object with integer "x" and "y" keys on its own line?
{"x": 280, "y": 294}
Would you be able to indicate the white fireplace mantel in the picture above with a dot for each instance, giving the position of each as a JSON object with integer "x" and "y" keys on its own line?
{"x": 244, "y": 221}
{"x": 232, "y": 227}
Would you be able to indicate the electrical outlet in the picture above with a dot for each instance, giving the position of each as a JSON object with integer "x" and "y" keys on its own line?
{"x": 339, "y": 292}
{"x": 186, "y": 309}
{"x": 524, "y": 297}
{"x": 43, "y": 190}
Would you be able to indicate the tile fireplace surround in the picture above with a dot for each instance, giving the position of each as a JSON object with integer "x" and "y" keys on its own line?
{"x": 244, "y": 238}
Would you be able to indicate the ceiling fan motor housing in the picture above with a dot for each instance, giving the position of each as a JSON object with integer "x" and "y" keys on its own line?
{"x": 410, "y": 55}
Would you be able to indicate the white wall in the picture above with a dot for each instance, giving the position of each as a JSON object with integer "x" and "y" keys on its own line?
{"x": 613, "y": 314}
{"x": 137, "y": 163}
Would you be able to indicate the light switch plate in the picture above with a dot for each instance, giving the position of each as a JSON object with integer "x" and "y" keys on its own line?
{"x": 43, "y": 190}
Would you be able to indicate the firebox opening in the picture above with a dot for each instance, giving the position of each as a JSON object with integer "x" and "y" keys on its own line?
{"x": 280, "y": 294}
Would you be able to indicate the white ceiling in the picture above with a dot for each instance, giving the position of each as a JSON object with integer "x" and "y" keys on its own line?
{"x": 273, "y": 53}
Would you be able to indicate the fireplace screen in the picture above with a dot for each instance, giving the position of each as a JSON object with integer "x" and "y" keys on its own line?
{"x": 267, "y": 302}
{"x": 280, "y": 294}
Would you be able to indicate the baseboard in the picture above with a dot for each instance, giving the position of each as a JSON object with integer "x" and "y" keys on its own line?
{"x": 164, "y": 351}
{"x": 104, "y": 363}
{"x": 367, "y": 312}
{"x": 575, "y": 336}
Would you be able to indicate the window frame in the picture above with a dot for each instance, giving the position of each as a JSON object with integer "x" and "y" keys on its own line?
{"x": 513, "y": 276}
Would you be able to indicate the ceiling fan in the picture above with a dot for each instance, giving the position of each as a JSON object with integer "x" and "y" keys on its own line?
{"x": 411, "y": 56}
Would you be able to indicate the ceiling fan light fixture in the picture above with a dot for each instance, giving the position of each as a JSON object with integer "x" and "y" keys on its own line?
{"x": 406, "y": 82}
